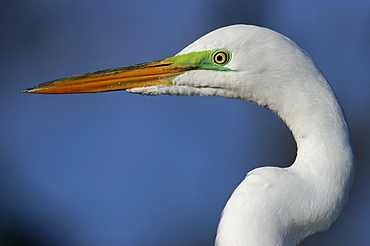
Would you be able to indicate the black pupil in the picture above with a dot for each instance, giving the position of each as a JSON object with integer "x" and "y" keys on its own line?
{"x": 220, "y": 58}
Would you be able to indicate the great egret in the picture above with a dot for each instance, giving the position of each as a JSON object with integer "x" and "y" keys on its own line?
{"x": 271, "y": 206}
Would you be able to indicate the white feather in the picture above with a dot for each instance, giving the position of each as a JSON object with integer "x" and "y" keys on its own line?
{"x": 277, "y": 206}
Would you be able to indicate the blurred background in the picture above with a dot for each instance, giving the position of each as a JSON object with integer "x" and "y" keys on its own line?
{"x": 123, "y": 169}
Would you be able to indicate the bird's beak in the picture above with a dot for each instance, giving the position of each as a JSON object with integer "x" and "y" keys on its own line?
{"x": 141, "y": 75}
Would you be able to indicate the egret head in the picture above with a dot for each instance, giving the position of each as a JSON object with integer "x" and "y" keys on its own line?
{"x": 237, "y": 61}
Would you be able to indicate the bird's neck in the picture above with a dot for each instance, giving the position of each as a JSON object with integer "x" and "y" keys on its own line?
{"x": 324, "y": 152}
{"x": 321, "y": 133}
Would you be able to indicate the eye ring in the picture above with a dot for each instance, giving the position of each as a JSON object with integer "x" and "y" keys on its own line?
{"x": 220, "y": 57}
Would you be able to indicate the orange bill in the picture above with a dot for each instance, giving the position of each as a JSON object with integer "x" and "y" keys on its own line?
{"x": 145, "y": 74}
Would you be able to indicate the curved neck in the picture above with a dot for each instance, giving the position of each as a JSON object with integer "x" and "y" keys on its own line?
{"x": 324, "y": 151}
{"x": 321, "y": 133}
{"x": 306, "y": 197}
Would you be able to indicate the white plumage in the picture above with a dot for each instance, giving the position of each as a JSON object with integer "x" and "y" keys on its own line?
{"x": 272, "y": 206}
{"x": 277, "y": 206}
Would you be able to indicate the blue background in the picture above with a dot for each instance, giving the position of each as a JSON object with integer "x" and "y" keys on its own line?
{"x": 123, "y": 169}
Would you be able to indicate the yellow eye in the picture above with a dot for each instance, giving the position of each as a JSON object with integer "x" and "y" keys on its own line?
{"x": 220, "y": 58}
